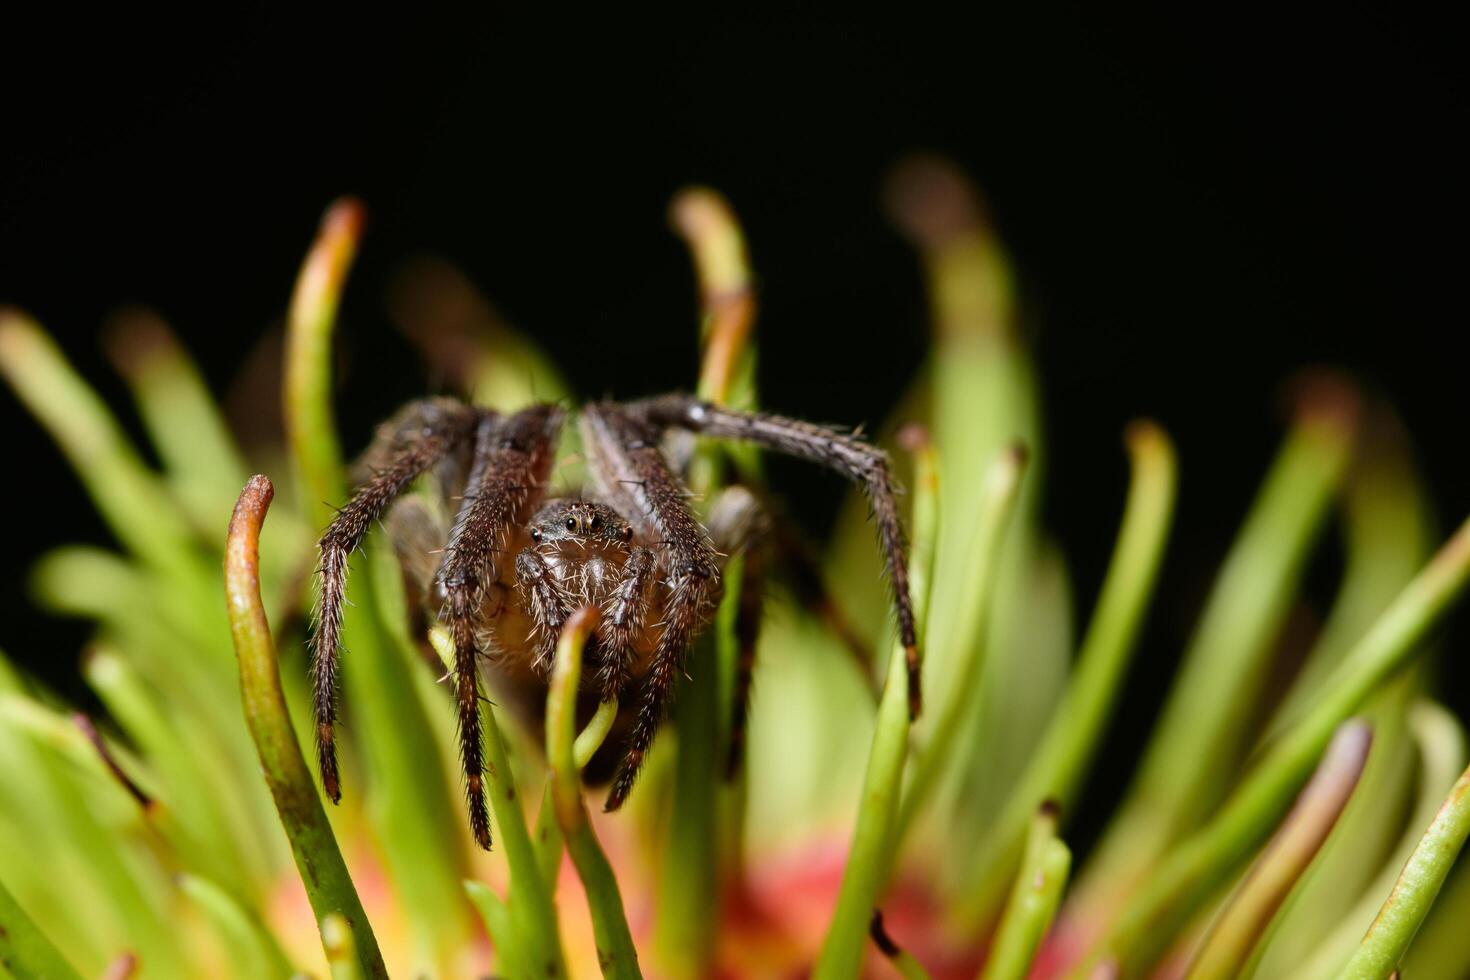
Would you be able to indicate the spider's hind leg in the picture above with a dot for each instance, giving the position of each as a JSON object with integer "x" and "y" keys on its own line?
{"x": 863, "y": 464}
{"x": 420, "y": 435}
{"x": 740, "y": 525}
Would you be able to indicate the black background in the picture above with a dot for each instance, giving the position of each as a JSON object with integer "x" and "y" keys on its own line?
{"x": 1197, "y": 206}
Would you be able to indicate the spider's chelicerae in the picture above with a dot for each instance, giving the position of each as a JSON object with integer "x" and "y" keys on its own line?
{"x": 512, "y": 565}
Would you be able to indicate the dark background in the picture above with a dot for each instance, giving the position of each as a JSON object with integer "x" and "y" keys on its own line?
{"x": 1197, "y": 206}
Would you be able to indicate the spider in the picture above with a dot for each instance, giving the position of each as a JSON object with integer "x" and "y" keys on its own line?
{"x": 513, "y": 564}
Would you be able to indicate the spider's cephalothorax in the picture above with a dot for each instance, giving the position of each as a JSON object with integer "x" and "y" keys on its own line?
{"x": 512, "y": 566}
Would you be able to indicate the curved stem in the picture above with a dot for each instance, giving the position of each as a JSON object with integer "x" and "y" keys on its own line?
{"x": 1240, "y": 927}
{"x": 328, "y": 885}
{"x": 1034, "y": 899}
{"x": 1416, "y": 889}
{"x": 877, "y": 833}
{"x": 310, "y": 427}
{"x": 1060, "y": 760}
{"x": 1202, "y": 862}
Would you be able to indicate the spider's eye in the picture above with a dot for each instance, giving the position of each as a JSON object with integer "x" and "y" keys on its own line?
{"x": 535, "y": 534}
{"x": 571, "y": 523}
{"x": 627, "y": 534}
{"x": 596, "y": 522}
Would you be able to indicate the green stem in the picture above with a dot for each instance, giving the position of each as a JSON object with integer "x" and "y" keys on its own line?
{"x": 1060, "y": 761}
{"x": 1240, "y": 927}
{"x": 1203, "y": 861}
{"x": 126, "y": 492}
{"x": 1204, "y": 728}
{"x": 1414, "y": 893}
{"x": 253, "y": 951}
{"x": 1034, "y": 899}
{"x": 615, "y": 950}
{"x": 548, "y": 832}
{"x": 689, "y": 889}
{"x": 25, "y": 952}
{"x": 531, "y": 907}
{"x": 413, "y": 803}
{"x": 502, "y": 930}
{"x": 956, "y": 696}
{"x": 328, "y": 885}
{"x": 876, "y": 835}
{"x": 310, "y": 428}
{"x": 1441, "y": 750}
{"x": 183, "y": 421}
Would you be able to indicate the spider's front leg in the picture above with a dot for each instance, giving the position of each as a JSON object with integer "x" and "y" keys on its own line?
{"x": 419, "y": 436}
{"x": 512, "y": 459}
{"x": 632, "y": 475}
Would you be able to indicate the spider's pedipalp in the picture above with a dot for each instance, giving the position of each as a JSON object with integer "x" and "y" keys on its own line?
{"x": 622, "y": 620}
{"x": 511, "y": 461}
{"x": 417, "y": 437}
{"x": 547, "y": 601}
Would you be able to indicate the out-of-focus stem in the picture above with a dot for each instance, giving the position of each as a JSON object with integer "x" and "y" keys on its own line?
{"x": 1203, "y": 730}
{"x": 24, "y": 949}
{"x": 705, "y": 221}
{"x": 1202, "y": 862}
{"x": 689, "y": 873}
{"x": 328, "y": 885}
{"x": 1034, "y": 899}
{"x": 1442, "y": 754}
{"x": 876, "y": 835}
{"x": 616, "y": 953}
{"x": 955, "y": 696}
{"x": 496, "y": 916}
{"x": 126, "y": 493}
{"x": 466, "y": 342}
{"x": 253, "y": 951}
{"x": 1060, "y": 761}
{"x": 1413, "y": 894}
{"x": 1240, "y": 927}
{"x": 310, "y": 427}
{"x": 904, "y": 962}
{"x": 181, "y": 416}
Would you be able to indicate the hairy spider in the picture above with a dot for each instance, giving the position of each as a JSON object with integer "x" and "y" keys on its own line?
{"x": 512, "y": 566}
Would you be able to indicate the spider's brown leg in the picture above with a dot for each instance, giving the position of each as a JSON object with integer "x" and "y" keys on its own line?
{"x": 548, "y": 602}
{"x": 512, "y": 459}
{"x": 623, "y": 455}
{"x": 855, "y": 459}
{"x": 622, "y": 620}
{"x": 740, "y": 525}
{"x": 420, "y": 435}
